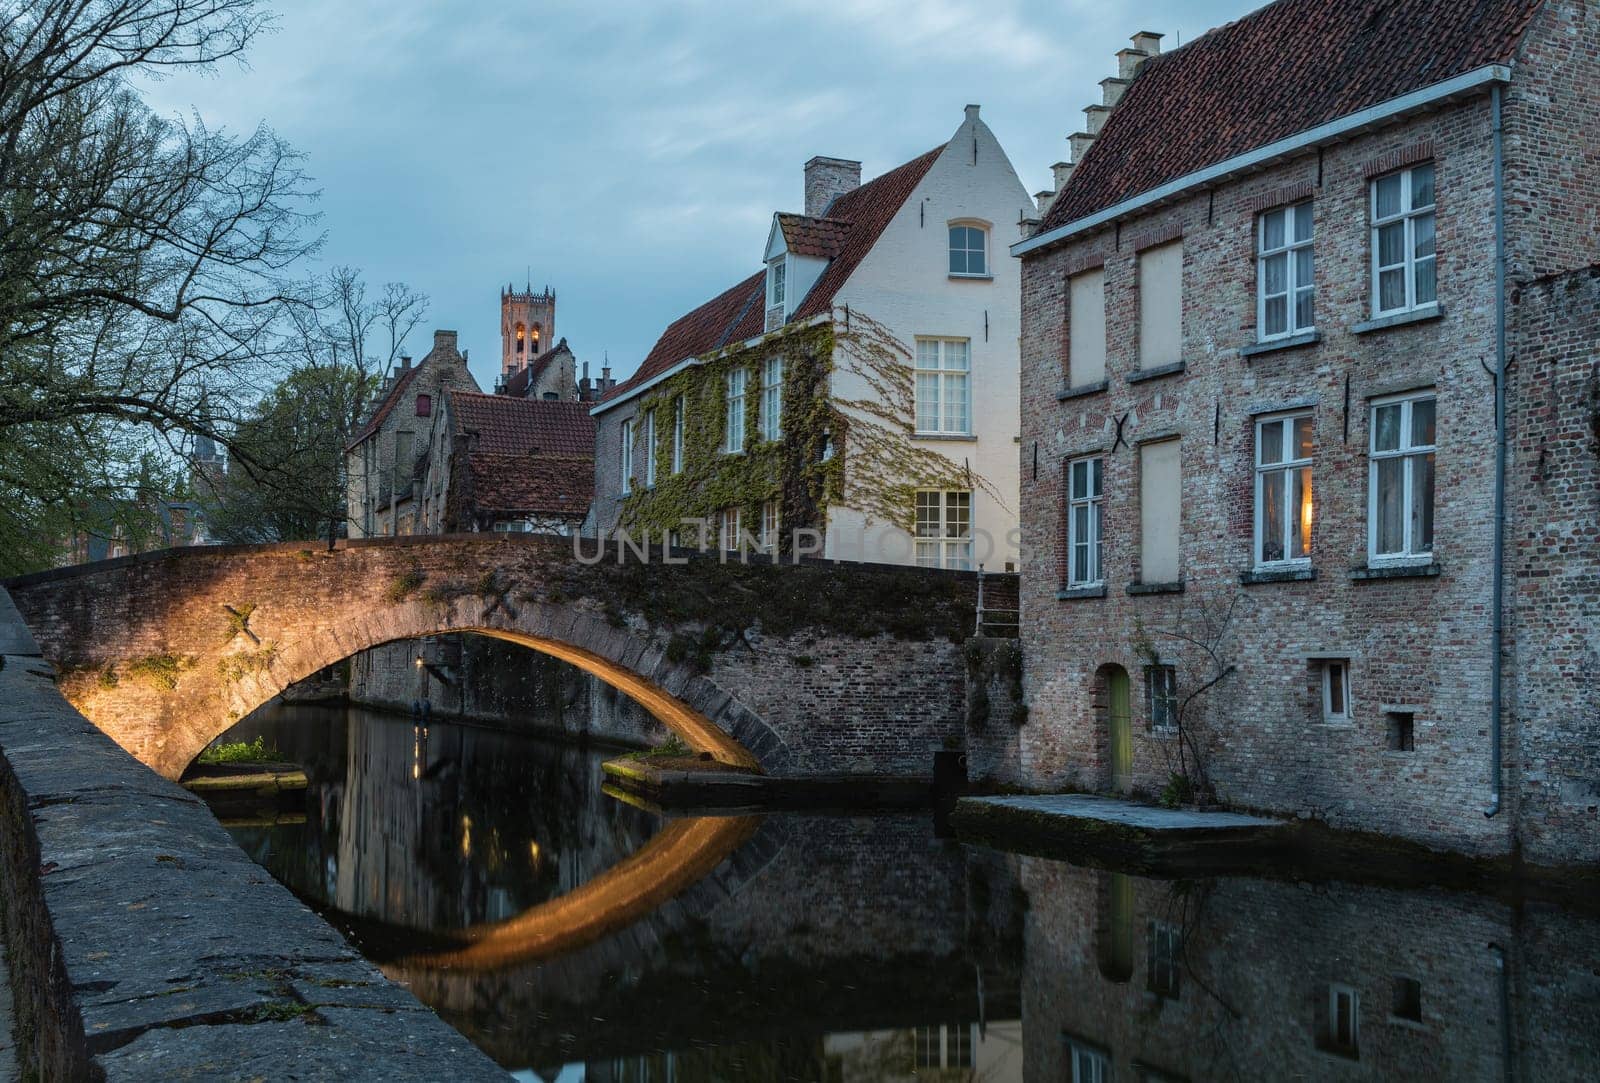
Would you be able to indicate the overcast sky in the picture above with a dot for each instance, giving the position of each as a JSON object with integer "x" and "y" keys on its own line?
{"x": 631, "y": 152}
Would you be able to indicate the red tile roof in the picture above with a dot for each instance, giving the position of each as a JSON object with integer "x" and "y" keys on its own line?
{"x": 856, "y": 220}
{"x": 518, "y": 382}
{"x": 512, "y": 426}
{"x": 557, "y": 485}
{"x": 804, "y": 236}
{"x": 1281, "y": 70}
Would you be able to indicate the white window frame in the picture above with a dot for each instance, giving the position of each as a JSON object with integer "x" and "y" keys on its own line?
{"x": 627, "y": 456}
{"x": 769, "y": 527}
{"x": 949, "y": 381}
{"x": 771, "y": 405}
{"x": 677, "y": 435}
{"x": 1289, "y": 250}
{"x": 1161, "y": 688}
{"x": 1336, "y": 674}
{"x": 1288, "y": 465}
{"x": 946, "y": 549}
{"x": 1092, "y": 501}
{"x": 737, "y": 381}
{"x": 730, "y": 529}
{"x": 1411, "y": 215}
{"x": 982, "y": 250}
{"x": 777, "y": 282}
{"x": 650, "y": 449}
{"x": 1409, "y": 453}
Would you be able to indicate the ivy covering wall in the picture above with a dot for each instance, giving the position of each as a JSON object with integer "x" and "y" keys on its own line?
{"x": 875, "y": 467}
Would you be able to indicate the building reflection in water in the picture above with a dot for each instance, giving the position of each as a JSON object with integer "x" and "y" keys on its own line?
{"x": 834, "y": 948}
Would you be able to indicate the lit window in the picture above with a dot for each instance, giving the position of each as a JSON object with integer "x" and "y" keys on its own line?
{"x": 1403, "y": 263}
{"x": 731, "y": 526}
{"x": 943, "y": 386}
{"x": 969, "y": 247}
{"x": 522, "y": 334}
{"x": 1285, "y": 287}
{"x": 1084, "y": 519}
{"x": 944, "y": 529}
{"x": 771, "y": 420}
{"x": 650, "y": 449}
{"x": 1284, "y": 449}
{"x": 677, "y": 435}
{"x": 1400, "y": 499}
{"x": 627, "y": 457}
{"x": 777, "y": 275}
{"x": 1162, "y": 971}
{"x": 735, "y": 421}
{"x": 1161, "y": 692}
{"x": 769, "y": 527}
{"x": 1336, "y": 691}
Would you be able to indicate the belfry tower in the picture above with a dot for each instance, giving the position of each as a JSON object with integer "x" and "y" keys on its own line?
{"x": 527, "y": 326}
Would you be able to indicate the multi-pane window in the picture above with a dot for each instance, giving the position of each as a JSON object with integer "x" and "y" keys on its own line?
{"x": 735, "y": 424}
{"x": 771, "y": 405}
{"x": 1336, "y": 691}
{"x": 1400, "y": 511}
{"x": 627, "y": 456}
{"x": 1284, "y": 449}
{"x": 969, "y": 251}
{"x": 1084, "y": 519}
{"x": 650, "y": 449}
{"x": 1285, "y": 288}
{"x": 777, "y": 274}
{"x": 1162, "y": 971}
{"x": 769, "y": 527}
{"x": 1403, "y": 263}
{"x": 1161, "y": 692}
{"x": 943, "y": 388}
{"x": 677, "y": 435}
{"x": 944, "y": 528}
{"x": 730, "y": 525}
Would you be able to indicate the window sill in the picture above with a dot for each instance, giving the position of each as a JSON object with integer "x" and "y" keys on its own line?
{"x": 1079, "y": 392}
{"x": 1156, "y": 373}
{"x": 958, "y": 437}
{"x": 1289, "y": 342}
{"x": 1399, "y": 319}
{"x": 972, "y": 278}
{"x": 1066, "y": 594}
{"x": 1422, "y": 570}
{"x": 1156, "y": 588}
{"x": 1277, "y": 575}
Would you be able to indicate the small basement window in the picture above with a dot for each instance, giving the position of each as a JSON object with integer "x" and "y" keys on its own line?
{"x": 1402, "y": 732}
{"x": 1407, "y": 1000}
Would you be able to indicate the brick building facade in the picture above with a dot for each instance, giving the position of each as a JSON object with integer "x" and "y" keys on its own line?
{"x": 1260, "y": 334}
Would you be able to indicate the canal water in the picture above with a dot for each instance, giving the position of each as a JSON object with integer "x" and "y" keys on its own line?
{"x": 573, "y": 936}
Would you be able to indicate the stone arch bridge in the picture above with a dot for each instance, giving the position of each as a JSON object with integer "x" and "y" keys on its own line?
{"x": 815, "y": 668}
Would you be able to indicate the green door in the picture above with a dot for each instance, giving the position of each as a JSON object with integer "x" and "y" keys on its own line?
{"x": 1121, "y": 730}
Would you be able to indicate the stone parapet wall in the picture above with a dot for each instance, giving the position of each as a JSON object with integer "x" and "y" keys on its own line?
{"x": 145, "y": 945}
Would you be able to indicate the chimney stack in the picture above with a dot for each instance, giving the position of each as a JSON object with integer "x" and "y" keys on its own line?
{"x": 444, "y": 339}
{"x": 405, "y": 362}
{"x": 1148, "y": 42}
{"x": 828, "y": 178}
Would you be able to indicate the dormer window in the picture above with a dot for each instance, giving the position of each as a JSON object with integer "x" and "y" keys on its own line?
{"x": 969, "y": 251}
{"x": 776, "y": 276}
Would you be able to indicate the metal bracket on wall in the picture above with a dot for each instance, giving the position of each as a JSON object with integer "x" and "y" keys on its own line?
{"x": 1121, "y": 441}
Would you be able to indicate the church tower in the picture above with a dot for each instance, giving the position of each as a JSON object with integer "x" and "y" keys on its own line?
{"x": 527, "y": 327}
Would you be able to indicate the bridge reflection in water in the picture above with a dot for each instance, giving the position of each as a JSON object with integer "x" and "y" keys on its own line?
{"x": 573, "y": 936}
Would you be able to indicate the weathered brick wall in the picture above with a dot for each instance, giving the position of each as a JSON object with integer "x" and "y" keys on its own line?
{"x": 1255, "y": 963}
{"x": 1553, "y": 568}
{"x": 1420, "y": 643}
{"x": 866, "y": 675}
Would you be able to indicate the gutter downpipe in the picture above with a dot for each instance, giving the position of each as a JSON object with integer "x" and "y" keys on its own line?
{"x": 1496, "y": 693}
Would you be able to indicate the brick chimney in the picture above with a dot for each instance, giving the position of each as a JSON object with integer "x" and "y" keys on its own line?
{"x": 443, "y": 339}
{"x": 827, "y": 178}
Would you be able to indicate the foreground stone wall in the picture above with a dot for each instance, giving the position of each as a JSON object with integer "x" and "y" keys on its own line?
{"x": 145, "y": 945}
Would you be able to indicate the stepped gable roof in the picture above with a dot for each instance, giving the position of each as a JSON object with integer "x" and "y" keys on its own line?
{"x": 1281, "y": 70}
